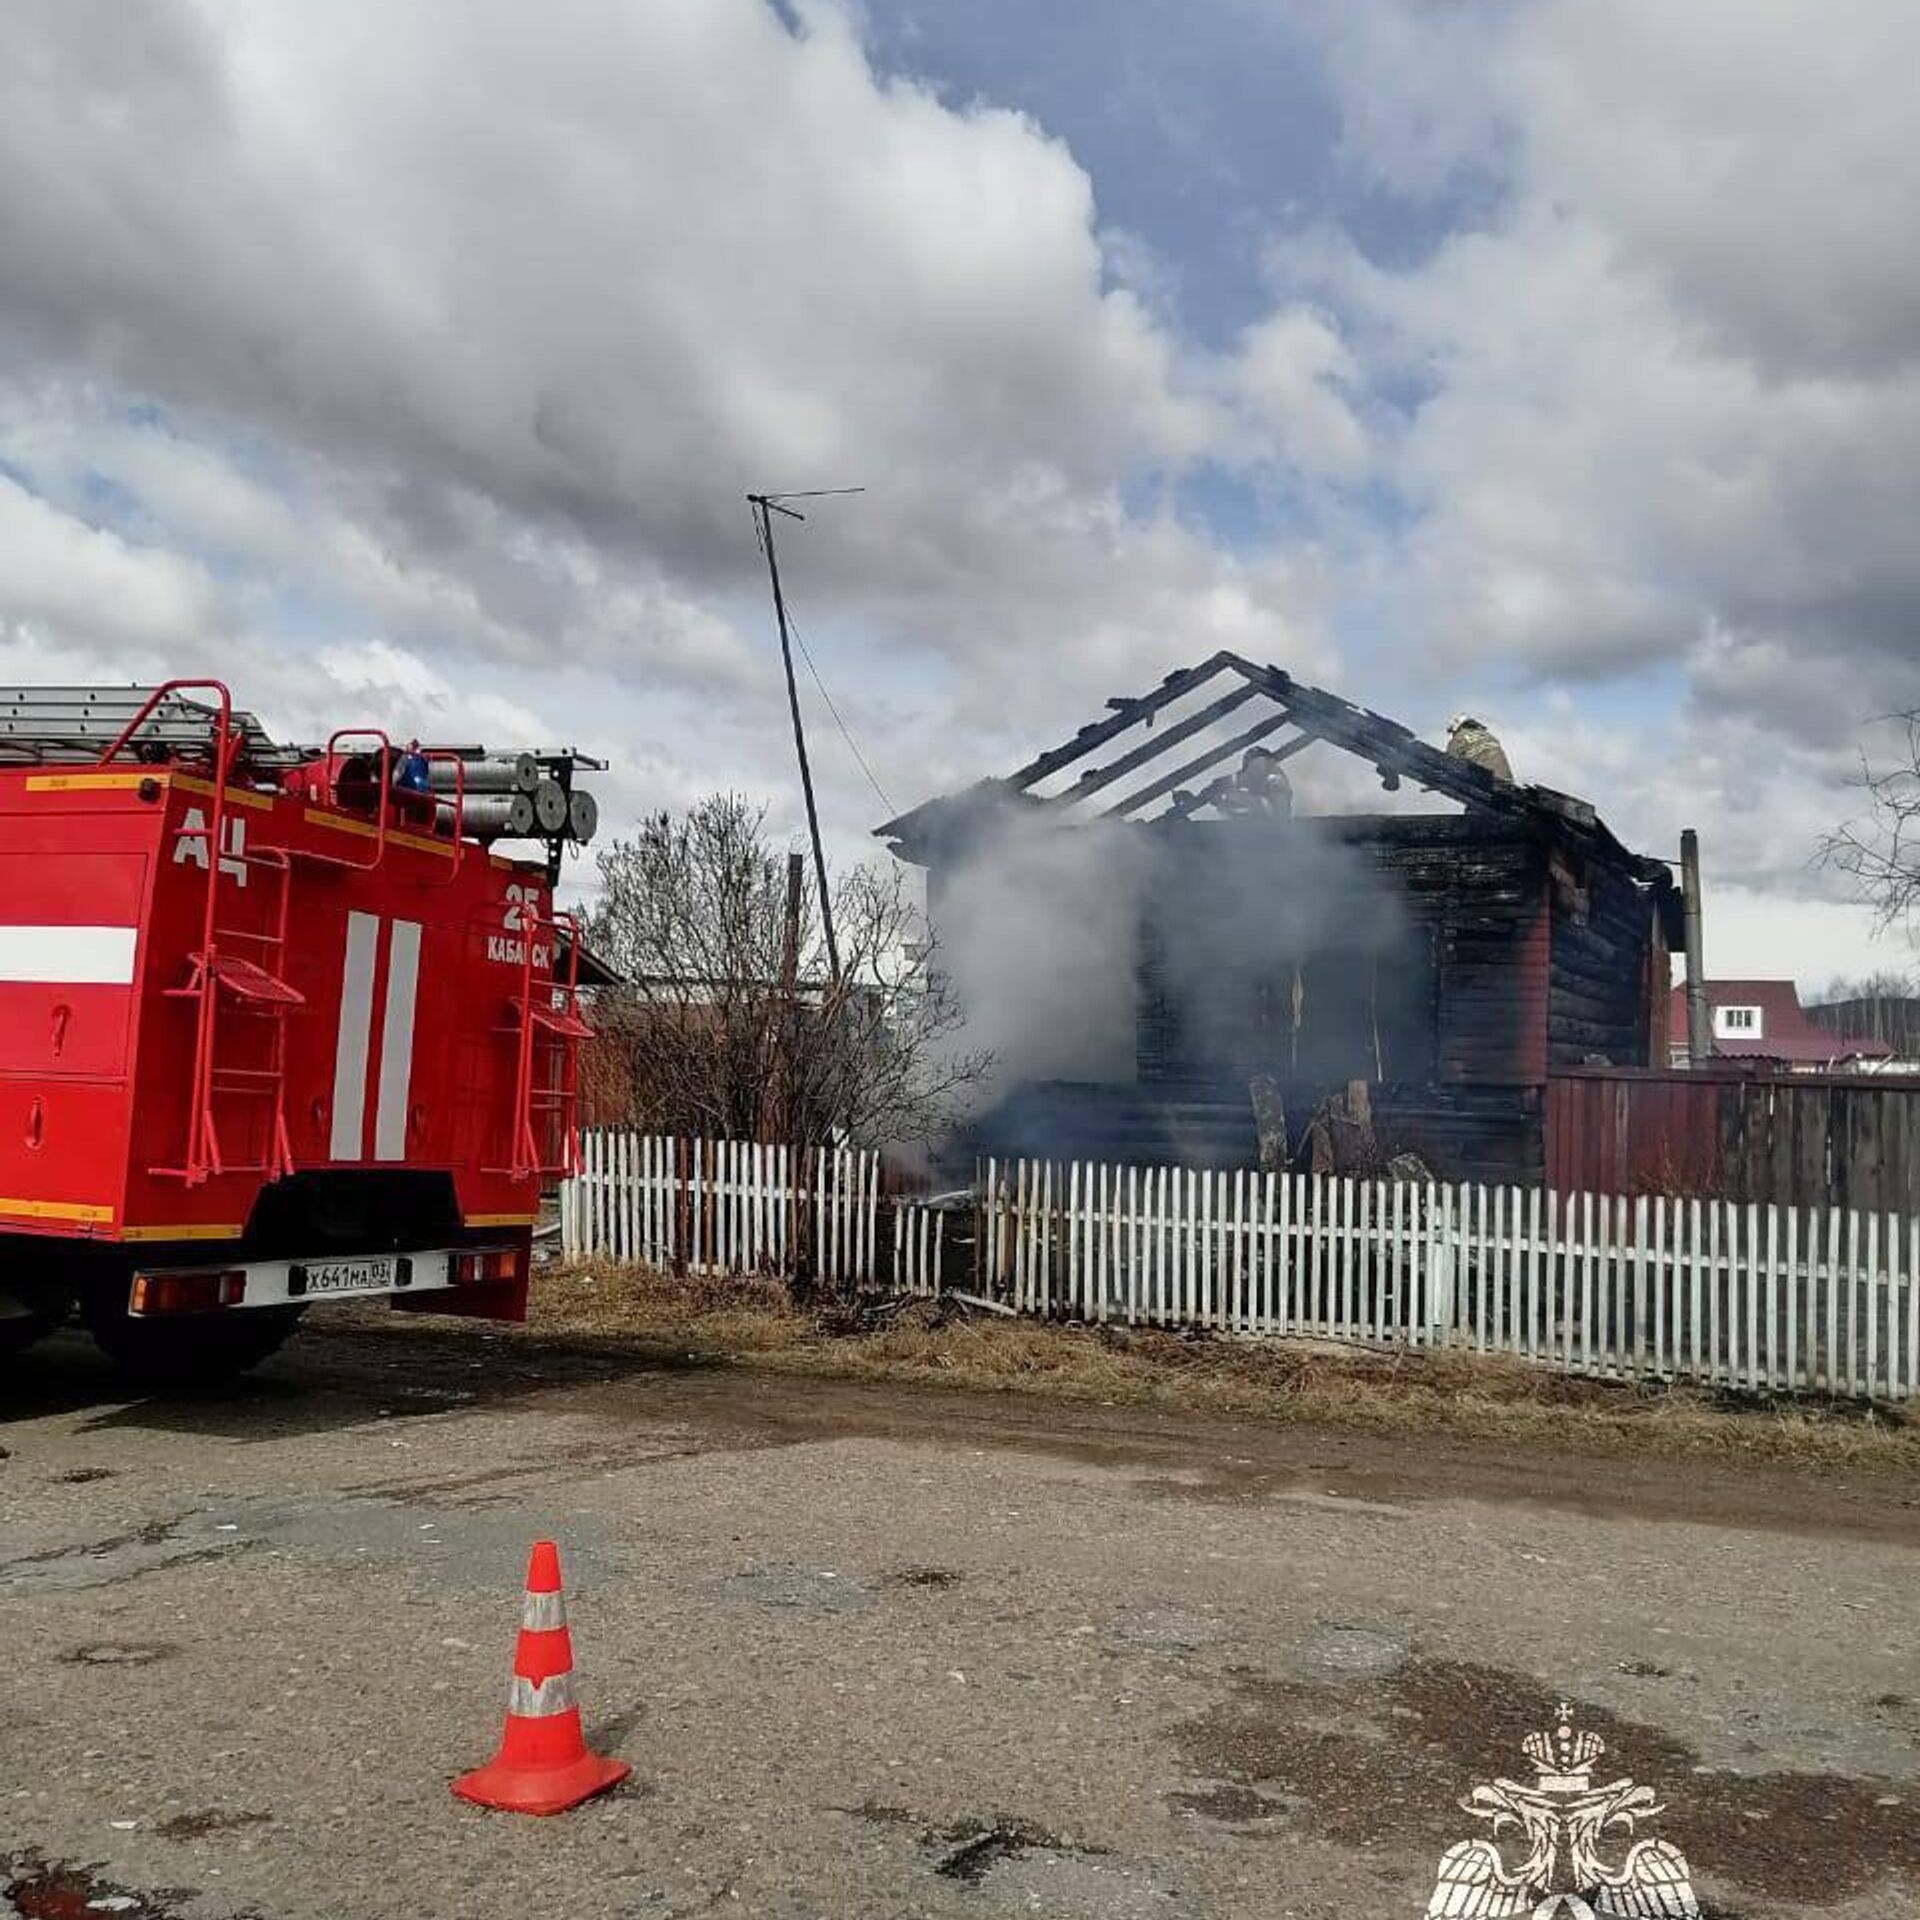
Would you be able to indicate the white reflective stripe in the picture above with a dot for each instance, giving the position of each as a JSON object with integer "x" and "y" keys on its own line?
{"x": 355, "y": 1036}
{"x": 396, "y": 1041}
{"x": 543, "y": 1612}
{"x": 68, "y": 956}
{"x": 553, "y": 1695}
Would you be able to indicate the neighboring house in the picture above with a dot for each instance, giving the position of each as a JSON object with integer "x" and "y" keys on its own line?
{"x": 1451, "y": 957}
{"x": 1764, "y": 1020}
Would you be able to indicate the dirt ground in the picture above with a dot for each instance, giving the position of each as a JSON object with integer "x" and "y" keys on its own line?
{"x": 1438, "y": 1393}
{"x": 876, "y": 1649}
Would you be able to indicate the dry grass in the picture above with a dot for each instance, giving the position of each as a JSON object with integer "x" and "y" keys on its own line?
{"x": 753, "y": 1323}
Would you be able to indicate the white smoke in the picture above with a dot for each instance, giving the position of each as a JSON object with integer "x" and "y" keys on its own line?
{"x": 1036, "y": 930}
{"x": 1039, "y": 931}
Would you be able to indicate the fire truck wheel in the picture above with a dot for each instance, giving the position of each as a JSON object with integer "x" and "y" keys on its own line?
{"x": 18, "y": 1331}
{"x": 194, "y": 1351}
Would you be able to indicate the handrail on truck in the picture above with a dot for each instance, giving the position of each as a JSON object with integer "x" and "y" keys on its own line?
{"x": 430, "y": 754}
{"x": 201, "y": 1152}
{"x": 526, "y": 1161}
{"x": 386, "y": 800}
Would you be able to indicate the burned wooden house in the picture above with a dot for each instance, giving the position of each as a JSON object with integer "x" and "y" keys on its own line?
{"x": 1451, "y": 950}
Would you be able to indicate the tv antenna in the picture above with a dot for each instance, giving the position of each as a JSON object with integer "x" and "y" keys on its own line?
{"x": 765, "y": 506}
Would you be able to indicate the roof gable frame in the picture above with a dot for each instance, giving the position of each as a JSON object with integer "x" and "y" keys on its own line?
{"x": 1315, "y": 715}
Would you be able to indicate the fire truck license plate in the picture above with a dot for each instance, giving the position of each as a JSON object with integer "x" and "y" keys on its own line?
{"x": 348, "y": 1276}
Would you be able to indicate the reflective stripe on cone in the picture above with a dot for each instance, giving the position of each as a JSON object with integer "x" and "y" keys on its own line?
{"x": 544, "y": 1764}
{"x": 536, "y": 1699}
{"x": 543, "y": 1612}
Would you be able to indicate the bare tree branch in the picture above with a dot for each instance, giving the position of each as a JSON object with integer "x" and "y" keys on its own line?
{"x": 1881, "y": 850}
{"x": 692, "y": 911}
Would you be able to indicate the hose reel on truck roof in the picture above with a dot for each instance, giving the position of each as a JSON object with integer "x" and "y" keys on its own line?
{"x": 482, "y": 794}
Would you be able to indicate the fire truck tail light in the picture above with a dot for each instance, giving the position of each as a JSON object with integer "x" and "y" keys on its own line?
{"x": 484, "y": 1264}
{"x": 155, "y": 1293}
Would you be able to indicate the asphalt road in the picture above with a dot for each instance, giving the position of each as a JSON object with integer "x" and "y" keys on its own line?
{"x": 883, "y": 1654}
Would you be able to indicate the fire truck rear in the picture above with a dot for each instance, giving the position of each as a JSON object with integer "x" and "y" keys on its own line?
{"x": 278, "y": 1024}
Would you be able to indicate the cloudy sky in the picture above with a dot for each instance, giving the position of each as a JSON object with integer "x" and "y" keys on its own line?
{"x": 410, "y": 359}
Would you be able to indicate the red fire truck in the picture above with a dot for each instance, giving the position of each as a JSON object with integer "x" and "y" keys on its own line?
{"x": 277, "y": 1024}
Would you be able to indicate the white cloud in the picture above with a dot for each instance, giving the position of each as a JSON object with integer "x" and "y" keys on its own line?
{"x": 1672, "y": 375}
{"x": 1419, "y": 90}
{"x": 78, "y": 582}
{"x": 602, "y": 271}
{"x": 1658, "y": 396}
{"x": 1290, "y": 375}
{"x": 1755, "y": 158}
{"x": 470, "y": 347}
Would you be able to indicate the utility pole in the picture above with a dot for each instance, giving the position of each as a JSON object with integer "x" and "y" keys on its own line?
{"x": 789, "y": 1102}
{"x": 765, "y": 506}
{"x": 1699, "y": 1036}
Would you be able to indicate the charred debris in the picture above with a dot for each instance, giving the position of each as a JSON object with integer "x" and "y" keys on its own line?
{"x": 1331, "y": 992}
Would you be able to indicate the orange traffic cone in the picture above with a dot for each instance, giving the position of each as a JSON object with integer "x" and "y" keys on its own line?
{"x": 543, "y": 1765}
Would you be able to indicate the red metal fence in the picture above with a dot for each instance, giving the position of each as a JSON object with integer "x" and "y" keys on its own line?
{"x": 1809, "y": 1140}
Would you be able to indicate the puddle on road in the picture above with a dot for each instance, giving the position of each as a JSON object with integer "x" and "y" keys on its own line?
{"x": 1234, "y": 1806}
{"x": 50, "y": 1890}
{"x": 483, "y": 1550}
{"x": 121, "y": 1556}
{"x": 1018, "y": 1866}
{"x": 970, "y": 1848}
{"x": 209, "y": 1820}
{"x": 933, "y": 1579}
{"x": 1395, "y": 1757}
{"x": 979, "y": 1846}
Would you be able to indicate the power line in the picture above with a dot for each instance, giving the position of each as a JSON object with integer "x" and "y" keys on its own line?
{"x": 764, "y": 508}
{"x": 853, "y": 746}
{"x": 773, "y": 500}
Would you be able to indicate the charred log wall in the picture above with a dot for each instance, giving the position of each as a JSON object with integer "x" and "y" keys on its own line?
{"x": 1462, "y": 1133}
{"x": 1600, "y": 987}
{"x": 1495, "y": 963}
{"x": 1447, "y": 984}
{"x": 1466, "y": 1133}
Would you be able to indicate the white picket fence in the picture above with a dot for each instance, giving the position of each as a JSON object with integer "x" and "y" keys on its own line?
{"x": 1755, "y": 1297}
{"x": 737, "y": 1207}
{"x": 1770, "y": 1299}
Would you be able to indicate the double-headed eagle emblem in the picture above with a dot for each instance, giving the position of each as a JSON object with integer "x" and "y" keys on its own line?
{"x": 1563, "y": 1820}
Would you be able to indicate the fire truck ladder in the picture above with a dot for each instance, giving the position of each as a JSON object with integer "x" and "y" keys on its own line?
{"x": 146, "y": 725}
{"x": 231, "y": 993}
{"x": 544, "y": 1020}
{"x": 236, "y": 994}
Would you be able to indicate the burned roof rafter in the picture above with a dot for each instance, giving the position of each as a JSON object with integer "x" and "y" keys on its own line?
{"x": 1096, "y": 778}
{"x": 1185, "y": 803}
{"x": 1394, "y": 751}
{"x": 1127, "y": 712}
